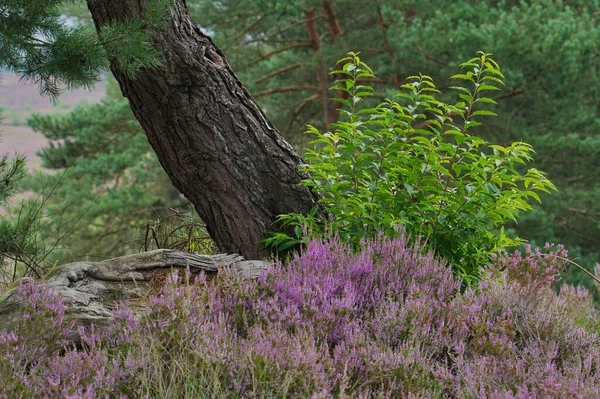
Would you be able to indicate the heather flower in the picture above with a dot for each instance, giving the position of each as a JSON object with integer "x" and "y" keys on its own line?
{"x": 36, "y": 360}
{"x": 388, "y": 321}
{"x": 534, "y": 268}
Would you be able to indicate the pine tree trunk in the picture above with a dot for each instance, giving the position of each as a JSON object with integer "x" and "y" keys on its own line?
{"x": 211, "y": 137}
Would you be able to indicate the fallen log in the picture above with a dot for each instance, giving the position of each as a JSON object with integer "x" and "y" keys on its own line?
{"x": 91, "y": 290}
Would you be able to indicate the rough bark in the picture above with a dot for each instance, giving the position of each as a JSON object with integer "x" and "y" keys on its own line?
{"x": 386, "y": 44}
{"x": 91, "y": 290}
{"x": 330, "y": 108}
{"x": 320, "y": 72}
{"x": 334, "y": 23}
{"x": 212, "y": 139}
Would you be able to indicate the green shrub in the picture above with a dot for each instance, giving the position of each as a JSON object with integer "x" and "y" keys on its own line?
{"x": 414, "y": 163}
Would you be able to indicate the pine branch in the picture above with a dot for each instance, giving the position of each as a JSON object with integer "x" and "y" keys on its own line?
{"x": 274, "y": 52}
{"x": 298, "y": 110}
{"x": 512, "y": 93}
{"x": 285, "y": 89}
{"x": 258, "y": 39}
{"x": 278, "y": 72}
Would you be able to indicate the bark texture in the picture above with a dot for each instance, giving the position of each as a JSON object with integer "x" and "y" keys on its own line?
{"x": 211, "y": 137}
{"x": 91, "y": 290}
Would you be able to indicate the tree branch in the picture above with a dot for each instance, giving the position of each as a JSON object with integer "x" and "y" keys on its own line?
{"x": 258, "y": 39}
{"x": 298, "y": 110}
{"x": 576, "y": 179}
{"x": 285, "y": 89}
{"x": 278, "y": 72}
{"x": 272, "y": 53}
{"x": 513, "y": 93}
{"x": 429, "y": 57}
{"x": 246, "y": 30}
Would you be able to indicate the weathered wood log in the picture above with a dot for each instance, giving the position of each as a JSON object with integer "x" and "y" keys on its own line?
{"x": 91, "y": 290}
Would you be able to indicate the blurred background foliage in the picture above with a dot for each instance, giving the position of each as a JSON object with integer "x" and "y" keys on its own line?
{"x": 548, "y": 51}
{"x": 283, "y": 50}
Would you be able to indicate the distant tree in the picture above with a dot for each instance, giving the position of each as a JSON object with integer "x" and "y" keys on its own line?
{"x": 12, "y": 171}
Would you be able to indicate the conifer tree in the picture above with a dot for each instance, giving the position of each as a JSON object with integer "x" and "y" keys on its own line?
{"x": 42, "y": 47}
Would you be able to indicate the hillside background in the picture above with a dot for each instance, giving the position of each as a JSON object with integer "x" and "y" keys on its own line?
{"x": 19, "y": 100}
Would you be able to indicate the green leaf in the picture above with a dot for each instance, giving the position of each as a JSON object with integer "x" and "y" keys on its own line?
{"x": 468, "y": 76}
{"x": 484, "y": 112}
{"x": 485, "y": 100}
{"x": 470, "y": 124}
{"x": 409, "y": 189}
{"x": 487, "y": 88}
{"x": 466, "y": 97}
{"x": 342, "y": 101}
{"x": 493, "y": 79}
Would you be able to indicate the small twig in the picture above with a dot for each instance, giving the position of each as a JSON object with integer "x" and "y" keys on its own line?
{"x": 274, "y": 52}
{"x": 513, "y": 93}
{"x": 282, "y": 30}
{"x": 285, "y": 89}
{"x": 583, "y": 269}
{"x": 278, "y": 72}
{"x": 297, "y": 111}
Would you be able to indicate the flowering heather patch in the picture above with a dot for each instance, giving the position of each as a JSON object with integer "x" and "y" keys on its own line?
{"x": 387, "y": 322}
{"x": 35, "y": 361}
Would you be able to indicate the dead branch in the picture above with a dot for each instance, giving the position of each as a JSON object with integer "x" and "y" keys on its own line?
{"x": 285, "y": 89}
{"x": 258, "y": 39}
{"x": 513, "y": 93}
{"x": 281, "y": 50}
{"x": 298, "y": 110}
{"x": 278, "y": 72}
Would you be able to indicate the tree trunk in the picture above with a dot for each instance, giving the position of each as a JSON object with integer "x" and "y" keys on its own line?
{"x": 211, "y": 137}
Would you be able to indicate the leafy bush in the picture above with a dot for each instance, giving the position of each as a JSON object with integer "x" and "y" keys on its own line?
{"x": 388, "y": 321}
{"x": 415, "y": 163}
